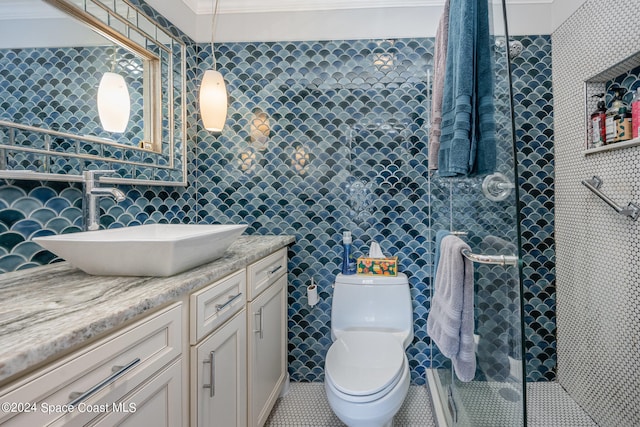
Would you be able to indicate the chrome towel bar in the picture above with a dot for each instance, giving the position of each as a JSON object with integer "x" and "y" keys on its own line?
{"x": 631, "y": 210}
{"x": 490, "y": 259}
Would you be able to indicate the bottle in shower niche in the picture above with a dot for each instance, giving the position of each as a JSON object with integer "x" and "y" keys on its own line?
{"x": 598, "y": 119}
{"x": 612, "y": 112}
{"x": 348, "y": 261}
{"x": 635, "y": 115}
{"x": 623, "y": 125}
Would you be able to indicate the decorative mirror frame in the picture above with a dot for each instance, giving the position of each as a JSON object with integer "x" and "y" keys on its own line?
{"x": 160, "y": 161}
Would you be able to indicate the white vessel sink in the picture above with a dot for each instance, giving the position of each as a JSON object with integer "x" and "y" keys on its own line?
{"x": 145, "y": 250}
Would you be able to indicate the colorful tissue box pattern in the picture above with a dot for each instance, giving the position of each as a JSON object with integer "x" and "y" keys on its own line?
{"x": 378, "y": 266}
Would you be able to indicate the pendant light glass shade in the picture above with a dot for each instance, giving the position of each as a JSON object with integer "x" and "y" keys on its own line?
{"x": 114, "y": 104}
{"x": 213, "y": 101}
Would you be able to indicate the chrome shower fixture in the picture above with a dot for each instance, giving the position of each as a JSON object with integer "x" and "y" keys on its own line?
{"x": 515, "y": 47}
{"x": 497, "y": 187}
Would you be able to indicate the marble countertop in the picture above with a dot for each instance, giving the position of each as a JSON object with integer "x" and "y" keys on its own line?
{"x": 49, "y": 310}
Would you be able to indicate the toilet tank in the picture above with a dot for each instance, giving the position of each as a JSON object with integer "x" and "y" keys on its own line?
{"x": 371, "y": 302}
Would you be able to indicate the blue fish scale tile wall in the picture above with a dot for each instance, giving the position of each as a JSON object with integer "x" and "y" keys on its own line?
{"x": 629, "y": 81}
{"x": 533, "y": 115}
{"x": 345, "y": 150}
{"x": 30, "y": 209}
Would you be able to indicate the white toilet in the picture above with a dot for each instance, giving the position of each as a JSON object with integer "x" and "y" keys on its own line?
{"x": 366, "y": 369}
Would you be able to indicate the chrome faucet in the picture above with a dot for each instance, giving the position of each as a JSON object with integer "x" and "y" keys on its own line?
{"x": 90, "y": 195}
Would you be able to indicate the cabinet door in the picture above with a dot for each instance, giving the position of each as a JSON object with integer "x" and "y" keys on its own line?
{"x": 158, "y": 403}
{"x": 218, "y": 377}
{"x": 103, "y": 372}
{"x": 267, "y": 350}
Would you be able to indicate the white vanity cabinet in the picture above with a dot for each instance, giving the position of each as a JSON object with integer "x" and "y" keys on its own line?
{"x": 266, "y": 334}
{"x": 219, "y": 354}
{"x": 132, "y": 372}
{"x": 208, "y": 347}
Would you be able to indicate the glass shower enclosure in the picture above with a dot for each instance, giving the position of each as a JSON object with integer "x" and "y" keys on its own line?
{"x": 483, "y": 212}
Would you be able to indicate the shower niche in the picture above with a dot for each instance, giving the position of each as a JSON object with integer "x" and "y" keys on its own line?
{"x": 624, "y": 75}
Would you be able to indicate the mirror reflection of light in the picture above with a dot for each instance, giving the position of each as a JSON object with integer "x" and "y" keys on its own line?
{"x": 131, "y": 66}
{"x": 384, "y": 61}
{"x": 300, "y": 160}
{"x": 114, "y": 105}
{"x": 260, "y": 129}
{"x": 247, "y": 160}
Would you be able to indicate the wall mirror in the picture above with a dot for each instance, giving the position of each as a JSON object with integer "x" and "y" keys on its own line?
{"x": 55, "y": 56}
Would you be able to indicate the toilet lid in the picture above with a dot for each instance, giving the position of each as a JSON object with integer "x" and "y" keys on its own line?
{"x": 364, "y": 362}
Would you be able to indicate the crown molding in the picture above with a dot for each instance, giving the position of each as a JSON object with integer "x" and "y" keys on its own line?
{"x": 205, "y": 7}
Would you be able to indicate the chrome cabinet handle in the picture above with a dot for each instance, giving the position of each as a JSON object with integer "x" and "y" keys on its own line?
{"x": 212, "y": 376}
{"x": 231, "y": 299}
{"x": 77, "y": 397}
{"x": 260, "y": 324}
{"x": 275, "y": 269}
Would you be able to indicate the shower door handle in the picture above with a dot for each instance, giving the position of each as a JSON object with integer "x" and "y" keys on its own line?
{"x": 491, "y": 259}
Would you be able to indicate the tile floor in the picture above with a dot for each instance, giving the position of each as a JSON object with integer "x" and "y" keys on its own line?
{"x": 306, "y": 405}
{"x": 549, "y": 405}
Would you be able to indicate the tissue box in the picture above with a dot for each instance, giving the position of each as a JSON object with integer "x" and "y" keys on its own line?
{"x": 377, "y": 266}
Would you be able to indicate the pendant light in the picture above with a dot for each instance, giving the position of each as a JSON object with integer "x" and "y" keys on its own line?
{"x": 114, "y": 104}
{"x": 213, "y": 91}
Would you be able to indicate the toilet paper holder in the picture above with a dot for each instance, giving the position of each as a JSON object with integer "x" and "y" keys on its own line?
{"x": 312, "y": 294}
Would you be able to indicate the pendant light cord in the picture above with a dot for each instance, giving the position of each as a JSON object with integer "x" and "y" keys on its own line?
{"x": 213, "y": 31}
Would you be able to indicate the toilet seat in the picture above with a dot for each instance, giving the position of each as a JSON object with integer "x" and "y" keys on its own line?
{"x": 362, "y": 366}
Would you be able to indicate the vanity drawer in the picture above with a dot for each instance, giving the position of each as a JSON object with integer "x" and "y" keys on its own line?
{"x": 215, "y": 304}
{"x": 136, "y": 352}
{"x": 262, "y": 274}
{"x": 153, "y": 404}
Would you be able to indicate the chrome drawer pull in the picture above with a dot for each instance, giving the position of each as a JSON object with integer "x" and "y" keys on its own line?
{"x": 275, "y": 269}
{"x": 231, "y": 299}
{"x": 78, "y": 397}
{"x": 212, "y": 375}
{"x": 261, "y": 314}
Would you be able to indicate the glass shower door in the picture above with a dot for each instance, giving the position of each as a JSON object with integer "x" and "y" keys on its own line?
{"x": 483, "y": 212}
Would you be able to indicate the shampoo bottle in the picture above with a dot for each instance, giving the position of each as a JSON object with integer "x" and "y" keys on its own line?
{"x": 612, "y": 112}
{"x": 635, "y": 114}
{"x": 348, "y": 263}
{"x": 623, "y": 125}
{"x": 598, "y": 119}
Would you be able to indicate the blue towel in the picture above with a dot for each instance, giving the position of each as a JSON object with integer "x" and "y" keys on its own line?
{"x": 450, "y": 322}
{"x": 439, "y": 67}
{"x": 436, "y": 258}
{"x": 467, "y": 140}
